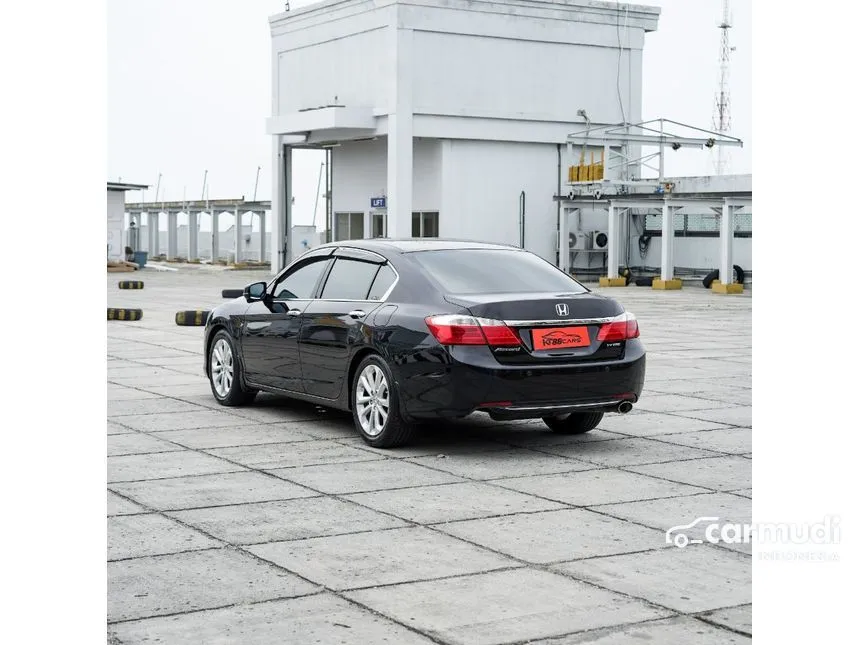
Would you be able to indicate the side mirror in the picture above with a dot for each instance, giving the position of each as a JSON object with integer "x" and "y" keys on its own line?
{"x": 256, "y": 291}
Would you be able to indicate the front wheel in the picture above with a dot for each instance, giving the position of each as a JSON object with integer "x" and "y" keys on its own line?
{"x": 225, "y": 372}
{"x": 376, "y": 405}
{"x": 574, "y": 423}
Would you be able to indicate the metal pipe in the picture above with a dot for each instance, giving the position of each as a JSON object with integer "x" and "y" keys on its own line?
{"x": 624, "y": 407}
{"x": 522, "y": 219}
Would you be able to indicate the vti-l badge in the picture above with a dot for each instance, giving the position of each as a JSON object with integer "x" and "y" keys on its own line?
{"x": 561, "y": 309}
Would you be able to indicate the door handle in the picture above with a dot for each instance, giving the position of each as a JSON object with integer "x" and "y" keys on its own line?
{"x": 294, "y": 312}
{"x": 357, "y": 313}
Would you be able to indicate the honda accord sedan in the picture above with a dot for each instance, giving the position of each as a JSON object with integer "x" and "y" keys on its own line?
{"x": 404, "y": 331}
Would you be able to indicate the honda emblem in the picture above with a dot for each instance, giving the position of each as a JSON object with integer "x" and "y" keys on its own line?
{"x": 561, "y": 309}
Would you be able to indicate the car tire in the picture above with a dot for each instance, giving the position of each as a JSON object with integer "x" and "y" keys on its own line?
{"x": 225, "y": 372}
{"x": 376, "y": 405}
{"x": 574, "y": 423}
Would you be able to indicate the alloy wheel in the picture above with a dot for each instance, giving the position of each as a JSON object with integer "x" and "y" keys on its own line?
{"x": 221, "y": 367}
{"x": 372, "y": 400}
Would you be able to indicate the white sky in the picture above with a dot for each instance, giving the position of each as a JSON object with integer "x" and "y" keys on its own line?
{"x": 189, "y": 89}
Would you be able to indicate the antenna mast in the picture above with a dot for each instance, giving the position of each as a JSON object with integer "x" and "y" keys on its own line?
{"x": 723, "y": 98}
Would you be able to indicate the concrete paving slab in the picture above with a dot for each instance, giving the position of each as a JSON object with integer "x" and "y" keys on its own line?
{"x": 135, "y": 443}
{"x": 359, "y": 477}
{"x": 178, "y": 493}
{"x": 736, "y": 416}
{"x": 717, "y": 473}
{"x": 667, "y": 631}
{"x": 501, "y": 464}
{"x": 183, "y": 582}
{"x": 202, "y": 418}
{"x": 628, "y": 452}
{"x": 555, "y": 536}
{"x": 118, "y": 505}
{"x": 653, "y": 423}
{"x": 161, "y": 405}
{"x": 321, "y": 618}
{"x": 135, "y": 536}
{"x": 695, "y": 578}
{"x": 735, "y": 441}
{"x": 242, "y": 435}
{"x": 122, "y": 393}
{"x": 449, "y": 502}
{"x": 737, "y": 618}
{"x": 746, "y": 492}
{"x": 505, "y": 606}
{"x": 604, "y": 486}
{"x": 293, "y": 519}
{"x": 380, "y": 558}
{"x": 536, "y": 436}
{"x": 181, "y": 463}
{"x": 675, "y": 402}
{"x": 305, "y": 453}
{"x": 116, "y": 428}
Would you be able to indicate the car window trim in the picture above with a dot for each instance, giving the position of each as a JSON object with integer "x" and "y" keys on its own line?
{"x": 382, "y": 299}
{"x": 322, "y": 258}
{"x": 334, "y": 259}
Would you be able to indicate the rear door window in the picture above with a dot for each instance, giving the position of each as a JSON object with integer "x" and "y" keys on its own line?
{"x": 349, "y": 280}
{"x": 382, "y": 283}
{"x": 472, "y": 271}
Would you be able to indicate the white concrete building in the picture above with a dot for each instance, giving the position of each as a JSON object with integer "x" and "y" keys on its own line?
{"x": 448, "y": 117}
{"x": 116, "y": 218}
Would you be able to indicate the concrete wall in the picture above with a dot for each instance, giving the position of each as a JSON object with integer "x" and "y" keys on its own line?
{"x": 115, "y": 220}
{"x": 481, "y": 185}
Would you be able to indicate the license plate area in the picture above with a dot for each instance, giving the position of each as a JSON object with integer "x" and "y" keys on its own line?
{"x": 555, "y": 338}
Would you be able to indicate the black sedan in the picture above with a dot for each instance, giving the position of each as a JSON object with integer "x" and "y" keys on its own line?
{"x": 403, "y": 331}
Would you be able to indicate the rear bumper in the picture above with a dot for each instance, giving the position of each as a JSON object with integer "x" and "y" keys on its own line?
{"x": 467, "y": 379}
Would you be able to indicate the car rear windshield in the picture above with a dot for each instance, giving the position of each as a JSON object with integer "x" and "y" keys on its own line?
{"x": 471, "y": 271}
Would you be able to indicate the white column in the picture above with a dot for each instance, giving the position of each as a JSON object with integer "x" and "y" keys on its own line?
{"x": 667, "y": 266}
{"x": 262, "y": 215}
{"x": 612, "y": 248}
{"x": 172, "y": 234}
{"x": 214, "y": 236}
{"x": 192, "y": 235}
{"x": 399, "y": 180}
{"x": 153, "y": 231}
{"x": 237, "y": 234}
{"x": 281, "y": 196}
{"x": 727, "y": 234}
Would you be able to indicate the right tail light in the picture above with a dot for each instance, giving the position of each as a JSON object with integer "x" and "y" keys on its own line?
{"x": 622, "y": 327}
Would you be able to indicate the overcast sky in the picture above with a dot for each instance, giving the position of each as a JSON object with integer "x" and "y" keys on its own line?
{"x": 189, "y": 89}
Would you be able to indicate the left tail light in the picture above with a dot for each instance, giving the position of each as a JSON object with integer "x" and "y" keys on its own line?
{"x": 455, "y": 329}
{"x": 622, "y": 327}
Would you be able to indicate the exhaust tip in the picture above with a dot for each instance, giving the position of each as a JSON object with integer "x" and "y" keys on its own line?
{"x": 624, "y": 407}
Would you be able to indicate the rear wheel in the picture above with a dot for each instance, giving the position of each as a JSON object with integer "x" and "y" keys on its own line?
{"x": 225, "y": 372}
{"x": 574, "y": 423}
{"x": 376, "y": 405}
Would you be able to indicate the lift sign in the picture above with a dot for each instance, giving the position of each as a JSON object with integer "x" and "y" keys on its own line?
{"x": 377, "y": 202}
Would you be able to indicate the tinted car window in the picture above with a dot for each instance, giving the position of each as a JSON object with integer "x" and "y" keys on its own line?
{"x": 301, "y": 282}
{"x": 349, "y": 280}
{"x": 466, "y": 271}
{"x": 384, "y": 279}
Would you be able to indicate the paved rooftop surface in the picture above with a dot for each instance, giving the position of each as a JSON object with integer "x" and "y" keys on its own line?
{"x": 276, "y": 524}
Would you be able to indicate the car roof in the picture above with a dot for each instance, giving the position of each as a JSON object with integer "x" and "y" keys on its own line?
{"x": 411, "y": 245}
